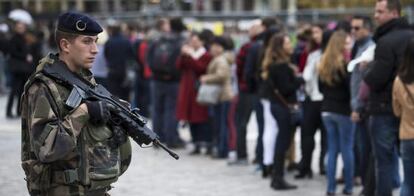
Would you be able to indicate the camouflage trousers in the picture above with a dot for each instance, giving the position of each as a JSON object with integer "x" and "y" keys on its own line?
{"x": 73, "y": 191}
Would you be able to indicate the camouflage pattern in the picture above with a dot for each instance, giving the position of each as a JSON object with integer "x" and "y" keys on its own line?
{"x": 62, "y": 152}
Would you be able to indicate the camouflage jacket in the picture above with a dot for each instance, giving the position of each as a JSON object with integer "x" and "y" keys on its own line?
{"x": 62, "y": 152}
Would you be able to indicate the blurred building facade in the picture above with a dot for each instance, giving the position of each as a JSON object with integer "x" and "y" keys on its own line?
{"x": 289, "y": 11}
{"x": 105, "y": 6}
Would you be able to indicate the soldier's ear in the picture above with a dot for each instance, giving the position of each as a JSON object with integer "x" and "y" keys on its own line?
{"x": 64, "y": 45}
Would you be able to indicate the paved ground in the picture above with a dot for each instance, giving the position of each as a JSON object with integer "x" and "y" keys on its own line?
{"x": 154, "y": 173}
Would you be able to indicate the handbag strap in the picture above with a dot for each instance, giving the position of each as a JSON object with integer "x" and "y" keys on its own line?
{"x": 277, "y": 94}
{"x": 281, "y": 98}
{"x": 408, "y": 92}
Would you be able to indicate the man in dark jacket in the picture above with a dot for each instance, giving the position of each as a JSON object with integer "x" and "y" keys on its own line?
{"x": 162, "y": 56}
{"x": 118, "y": 50}
{"x": 246, "y": 99}
{"x": 390, "y": 37}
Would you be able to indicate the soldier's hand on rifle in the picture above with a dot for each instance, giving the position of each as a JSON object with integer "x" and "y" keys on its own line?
{"x": 99, "y": 112}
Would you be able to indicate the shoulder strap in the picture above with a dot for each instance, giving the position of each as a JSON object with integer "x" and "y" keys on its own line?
{"x": 53, "y": 95}
{"x": 408, "y": 91}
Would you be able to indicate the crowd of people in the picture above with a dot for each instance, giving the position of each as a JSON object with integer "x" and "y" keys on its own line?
{"x": 349, "y": 80}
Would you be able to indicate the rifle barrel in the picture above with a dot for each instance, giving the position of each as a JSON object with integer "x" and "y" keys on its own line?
{"x": 173, "y": 154}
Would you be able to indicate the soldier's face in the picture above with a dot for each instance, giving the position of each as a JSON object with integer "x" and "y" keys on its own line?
{"x": 83, "y": 50}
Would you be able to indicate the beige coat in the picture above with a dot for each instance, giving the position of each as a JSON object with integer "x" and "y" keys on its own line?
{"x": 219, "y": 72}
{"x": 404, "y": 108}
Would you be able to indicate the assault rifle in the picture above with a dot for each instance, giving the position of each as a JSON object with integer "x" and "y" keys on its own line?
{"x": 134, "y": 124}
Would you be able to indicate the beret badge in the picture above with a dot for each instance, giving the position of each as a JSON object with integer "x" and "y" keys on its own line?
{"x": 80, "y": 25}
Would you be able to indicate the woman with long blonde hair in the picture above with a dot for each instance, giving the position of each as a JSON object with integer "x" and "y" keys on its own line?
{"x": 336, "y": 109}
{"x": 277, "y": 92}
{"x": 331, "y": 67}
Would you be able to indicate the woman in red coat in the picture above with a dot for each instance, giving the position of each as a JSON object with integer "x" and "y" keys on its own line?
{"x": 193, "y": 63}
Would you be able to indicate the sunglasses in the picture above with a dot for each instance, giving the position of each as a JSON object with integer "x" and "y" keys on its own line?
{"x": 356, "y": 28}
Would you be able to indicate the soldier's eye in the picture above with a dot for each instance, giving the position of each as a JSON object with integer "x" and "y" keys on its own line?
{"x": 88, "y": 41}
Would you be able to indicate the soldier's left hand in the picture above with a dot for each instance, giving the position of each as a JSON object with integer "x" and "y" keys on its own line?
{"x": 99, "y": 112}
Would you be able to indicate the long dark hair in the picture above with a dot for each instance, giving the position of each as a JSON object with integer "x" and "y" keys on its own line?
{"x": 406, "y": 70}
{"x": 274, "y": 53}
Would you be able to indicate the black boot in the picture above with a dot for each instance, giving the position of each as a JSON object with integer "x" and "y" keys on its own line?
{"x": 292, "y": 166}
{"x": 266, "y": 170}
{"x": 304, "y": 174}
{"x": 280, "y": 183}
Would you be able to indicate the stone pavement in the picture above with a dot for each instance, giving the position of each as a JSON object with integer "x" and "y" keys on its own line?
{"x": 155, "y": 173}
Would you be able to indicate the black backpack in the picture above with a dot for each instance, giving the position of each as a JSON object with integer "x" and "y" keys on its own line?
{"x": 163, "y": 55}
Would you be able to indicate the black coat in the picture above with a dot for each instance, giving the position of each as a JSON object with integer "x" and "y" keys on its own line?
{"x": 18, "y": 50}
{"x": 253, "y": 63}
{"x": 391, "y": 39}
{"x": 282, "y": 79}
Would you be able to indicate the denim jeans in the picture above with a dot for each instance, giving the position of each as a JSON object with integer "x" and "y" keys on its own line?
{"x": 164, "y": 97}
{"x": 220, "y": 114}
{"x": 340, "y": 139}
{"x": 363, "y": 148}
{"x": 142, "y": 95}
{"x": 407, "y": 152}
{"x": 384, "y": 133}
{"x": 260, "y": 125}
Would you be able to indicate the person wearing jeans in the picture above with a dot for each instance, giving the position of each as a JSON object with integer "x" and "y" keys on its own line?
{"x": 164, "y": 98}
{"x": 391, "y": 37}
{"x": 340, "y": 140}
{"x": 219, "y": 73}
{"x": 336, "y": 110}
{"x": 403, "y": 107}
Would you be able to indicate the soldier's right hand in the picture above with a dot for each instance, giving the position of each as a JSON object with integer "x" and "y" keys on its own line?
{"x": 99, "y": 112}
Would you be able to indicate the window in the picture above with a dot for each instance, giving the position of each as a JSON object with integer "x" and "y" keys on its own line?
{"x": 217, "y": 5}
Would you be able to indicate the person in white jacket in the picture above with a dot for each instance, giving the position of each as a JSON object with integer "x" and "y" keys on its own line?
{"x": 312, "y": 120}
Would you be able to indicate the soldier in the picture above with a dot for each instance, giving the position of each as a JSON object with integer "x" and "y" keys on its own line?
{"x": 69, "y": 151}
